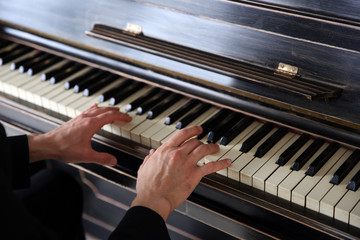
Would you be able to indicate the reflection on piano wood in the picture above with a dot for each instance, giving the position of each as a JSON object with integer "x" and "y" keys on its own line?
{"x": 318, "y": 174}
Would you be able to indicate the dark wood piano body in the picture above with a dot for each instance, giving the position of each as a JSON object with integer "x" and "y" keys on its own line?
{"x": 321, "y": 39}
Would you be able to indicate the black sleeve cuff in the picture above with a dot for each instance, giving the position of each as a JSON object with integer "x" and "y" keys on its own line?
{"x": 19, "y": 149}
{"x": 141, "y": 223}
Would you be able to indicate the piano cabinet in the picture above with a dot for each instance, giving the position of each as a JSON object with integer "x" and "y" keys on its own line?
{"x": 283, "y": 76}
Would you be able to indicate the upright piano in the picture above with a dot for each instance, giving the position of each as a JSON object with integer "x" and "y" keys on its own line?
{"x": 275, "y": 83}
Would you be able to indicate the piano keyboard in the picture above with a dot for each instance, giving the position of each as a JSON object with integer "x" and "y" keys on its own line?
{"x": 308, "y": 171}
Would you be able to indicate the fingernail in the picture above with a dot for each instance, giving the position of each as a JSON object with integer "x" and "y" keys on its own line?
{"x": 228, "y": 161}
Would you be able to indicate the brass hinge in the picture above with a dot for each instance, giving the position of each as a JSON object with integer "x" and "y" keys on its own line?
{"x": 133, "y": 29}
{"x": 287, "y": 70}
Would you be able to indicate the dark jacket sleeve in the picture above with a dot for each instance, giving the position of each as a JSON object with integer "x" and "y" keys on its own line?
{"x": 14, "y": 173}
{"x": 19, "y": 150}
{"x": 14, "y": 152}
{"x": 141, "y": 223}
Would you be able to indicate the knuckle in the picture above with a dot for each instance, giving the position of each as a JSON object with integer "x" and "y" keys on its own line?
{"x": 175, "y": 154}
{"x": 88, "y": 121}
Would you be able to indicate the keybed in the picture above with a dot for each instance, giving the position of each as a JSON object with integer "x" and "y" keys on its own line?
{"x": 293, "y": 166}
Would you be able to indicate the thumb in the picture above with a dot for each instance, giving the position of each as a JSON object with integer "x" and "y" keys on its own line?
{"x": 215, "y": 166}
{"x": 104, "y": 158}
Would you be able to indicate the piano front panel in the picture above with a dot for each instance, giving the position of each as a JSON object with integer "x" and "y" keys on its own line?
{"x": 254, "y": 150}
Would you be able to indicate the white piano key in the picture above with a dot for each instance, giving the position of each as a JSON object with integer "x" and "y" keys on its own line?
{"x": 246, "y": 158}
{"x": 272, "y": 183}
{"x": 309, "y": 182}
{"x": 63, "y": 104}
{"x": 87, "y": 102}
{"x": 319, "y": 191}
{"x": 242, "y": 159}
{"x": 234, "y": 152}
{"x": 355, "y": 216}
{"x": 62, "y": 98}
{"x": 290, "y": 182}
{"x": 31, "y": 83}
{"x": 329, "y": 201}
{"x": 224, "y": 149}
{"x": 158, "y": 123}
{"x": 48, "y": 96}
{"x": 37, "y": 97}
{"x": 165, "y": 131}
{"x": 16, "y": 80}
{"x": 32, "y": 93}
{"x": 247, "y": 172}
{"x": 345, "y": 206}
{"x": 11, "y": 86}
{"x": 270, "y": 166}
{"x": 116, "y": 126}
{"x": 6, "y": 75}
{"x": 7, "y": 79}
{"x": 94, "y": 98}
{"x": 198, "y": 121}
{"x": 137, "y": 119}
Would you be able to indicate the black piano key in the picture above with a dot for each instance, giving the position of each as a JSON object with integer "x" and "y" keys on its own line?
{"x": 307, "y": 154}
{"x": 70, "y": 84}
{"x": 67, "y": 72}
{"x": 224, "y": 126}
{"x": 47, "y": 75}
{"x": 193, "y": 115}
{"x": 13, "y": 53}
{"x": 346, "y": 167}
{"x": 315, "y": 166}
{"x": 43, "y": 65}
{"x": 256, "y": 137}
{"x": 290, "y": 151}
{"x": 17, "y": 64}
{"x": 99, "y": 84}
{"x": 165, "y": 104}
{"x": 212, "y": 122}
{"x": 181, "y": 111}
{"x": 86, "y": 82}
{"x": 136, "y": 103}
{"x": 149, "y": 103}
{"x": 112, "y": 92}
{"x": 270, "y": 142}
{"x": 34, "y": 61}
{"x": 236, "y": 130}
{"x": 126, "y": 92}
{"x": 354, "y": 182}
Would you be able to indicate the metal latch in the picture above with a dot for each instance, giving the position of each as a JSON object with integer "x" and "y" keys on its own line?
{"x": 287, "y": 70}
{"x": 133, "y": 29}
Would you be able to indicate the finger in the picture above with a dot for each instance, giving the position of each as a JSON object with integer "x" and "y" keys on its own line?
{"x": 214, "y": 166}
{"x": 190, "y": 145}
{"x": 94, "y": 110}
{"x": 151, "y": 152}
{"x": 103, "y": 158}
{"x": 108, "y": 117}
{"x": 181, "y": 136}
{"x": 202, "y": 151}
{"x": 93, "y": 106}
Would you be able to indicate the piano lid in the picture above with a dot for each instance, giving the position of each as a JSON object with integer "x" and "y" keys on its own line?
{"x": 260, "y": 38}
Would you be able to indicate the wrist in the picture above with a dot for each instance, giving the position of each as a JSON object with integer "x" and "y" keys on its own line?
{"x": 40, "y": 147}
{"x": 159, "y": 205}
